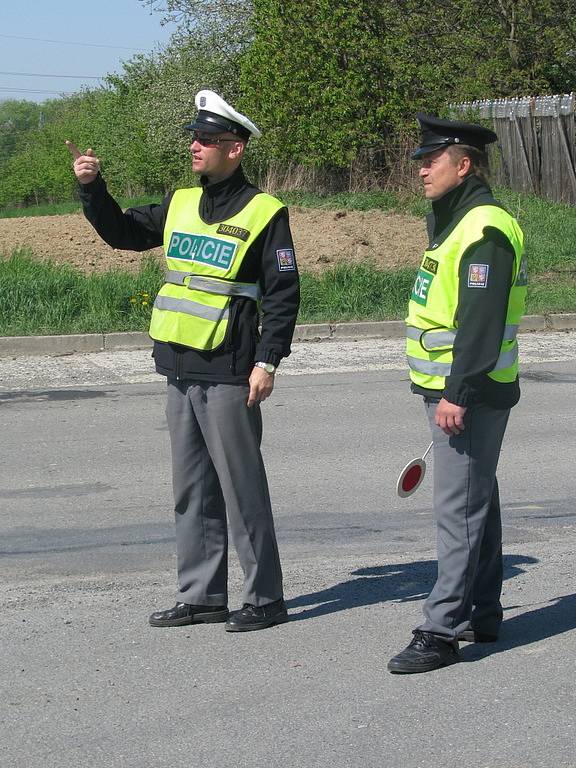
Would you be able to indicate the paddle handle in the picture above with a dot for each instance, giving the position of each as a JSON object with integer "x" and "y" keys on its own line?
{"x": 427, "y": 450}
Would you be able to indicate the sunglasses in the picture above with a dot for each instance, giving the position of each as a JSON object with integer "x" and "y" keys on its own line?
{"x": 207, "y": 141}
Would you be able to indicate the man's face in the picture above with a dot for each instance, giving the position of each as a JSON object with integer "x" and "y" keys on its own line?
{"x": 440, "y": 173}
{"x": 215, "y": 155}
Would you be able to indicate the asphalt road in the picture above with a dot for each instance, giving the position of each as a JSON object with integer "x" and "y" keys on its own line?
{"x": 87, "y": 551}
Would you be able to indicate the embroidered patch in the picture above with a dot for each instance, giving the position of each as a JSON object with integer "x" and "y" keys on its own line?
{"x": 232, "y": 231}
{"x": 478, "y": 275}
{"x": 430, "y": 265}
{"x": 286, "y": 260}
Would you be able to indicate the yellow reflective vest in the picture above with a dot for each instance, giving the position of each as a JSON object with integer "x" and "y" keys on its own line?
{"x": 203, "y": 261}
{"x": 431, "y": 325}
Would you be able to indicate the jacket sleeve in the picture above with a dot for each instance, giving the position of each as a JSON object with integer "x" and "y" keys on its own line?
{"x": 280, "y": 287}
{"x": 481, "y": 316}
{"x": 136, "y": 229}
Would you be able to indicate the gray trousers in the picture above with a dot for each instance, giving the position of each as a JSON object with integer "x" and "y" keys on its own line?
{"x": 218, "y": 473}
{"x": 469, "y": 531}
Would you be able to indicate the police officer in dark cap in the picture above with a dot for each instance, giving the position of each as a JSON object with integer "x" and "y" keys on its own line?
{"x": 463, "y": 317}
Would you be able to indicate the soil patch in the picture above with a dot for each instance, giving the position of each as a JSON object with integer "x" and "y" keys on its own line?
{"x": 322, "y": 239}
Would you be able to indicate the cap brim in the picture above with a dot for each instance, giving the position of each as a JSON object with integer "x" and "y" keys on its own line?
{"x": 427, "y": 150}
{"x": 198, "y": 125}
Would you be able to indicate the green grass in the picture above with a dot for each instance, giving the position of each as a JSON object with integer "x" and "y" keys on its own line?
{"x": 43, "y": 298}
{"x": 354, "y": 292}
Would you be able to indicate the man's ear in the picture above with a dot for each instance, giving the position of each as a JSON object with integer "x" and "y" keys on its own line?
{"x": 237, "y": 150}
{"x": 464, "y": 166}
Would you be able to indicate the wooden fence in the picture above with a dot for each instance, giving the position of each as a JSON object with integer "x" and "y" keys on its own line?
{"x": 536, "y": 143}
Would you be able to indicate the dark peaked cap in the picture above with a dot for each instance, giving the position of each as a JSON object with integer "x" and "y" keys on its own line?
{"x": 437, "y": 133}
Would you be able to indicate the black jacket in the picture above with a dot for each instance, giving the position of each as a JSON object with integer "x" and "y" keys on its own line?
{"x": 481, "y": 314}
{"x": 142, "y": 228}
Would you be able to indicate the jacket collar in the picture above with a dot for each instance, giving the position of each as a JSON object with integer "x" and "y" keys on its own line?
{"x": 217, "y": 199}
{"x": 451, "y": 207}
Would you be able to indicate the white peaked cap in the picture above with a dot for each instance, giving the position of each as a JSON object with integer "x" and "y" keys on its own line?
{"x": 215, "y": 116}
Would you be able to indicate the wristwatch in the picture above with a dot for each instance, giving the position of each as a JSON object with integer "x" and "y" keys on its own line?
{"x": 268, "y": 367}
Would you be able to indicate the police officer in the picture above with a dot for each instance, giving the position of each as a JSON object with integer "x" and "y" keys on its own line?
{"x": 463, "y": 317}
{"x": 228, "y": 251}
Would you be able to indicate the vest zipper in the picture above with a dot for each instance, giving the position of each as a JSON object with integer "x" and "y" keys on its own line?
{"x": 231, "y": 341}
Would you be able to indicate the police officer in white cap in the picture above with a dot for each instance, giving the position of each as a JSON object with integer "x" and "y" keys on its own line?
{"x": 229, "y": 253}
{"x": 464, "y": 312}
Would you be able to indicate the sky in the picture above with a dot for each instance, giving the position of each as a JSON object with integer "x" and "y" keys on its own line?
{"x": 50, "y": 47}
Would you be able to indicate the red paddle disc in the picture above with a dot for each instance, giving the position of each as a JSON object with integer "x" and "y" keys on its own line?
{"x": 411, "y": 477}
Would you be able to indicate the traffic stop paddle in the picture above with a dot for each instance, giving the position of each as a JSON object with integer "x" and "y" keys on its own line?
{"x": 412, "y": 475}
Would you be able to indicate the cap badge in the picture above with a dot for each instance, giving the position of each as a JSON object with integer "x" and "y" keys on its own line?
{"x": 202, "y": 101}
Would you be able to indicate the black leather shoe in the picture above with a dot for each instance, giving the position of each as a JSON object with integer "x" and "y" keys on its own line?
{"x": 472, "y": 636}
{"x": 425, "y": 653}
{"x": 257, "y": 617}
{"x": 183, "y": 613}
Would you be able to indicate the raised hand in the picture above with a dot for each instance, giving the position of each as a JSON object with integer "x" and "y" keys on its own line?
{"x": 86, "y": 166}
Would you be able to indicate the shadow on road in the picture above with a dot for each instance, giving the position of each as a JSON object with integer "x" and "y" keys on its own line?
{"x": 554, "y": 618}
{"x": 401, "y": 582}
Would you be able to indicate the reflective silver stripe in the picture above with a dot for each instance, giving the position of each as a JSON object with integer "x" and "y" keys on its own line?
{"x": 218, "y": 287}
{"x": 191, "y": 308}
{"x": 428, "y": 367}
{"x": 413, "y": 333}
{"x": 505, "y": 360}
{"x": 435, "y": 339}
{"x": 510, "y": 332}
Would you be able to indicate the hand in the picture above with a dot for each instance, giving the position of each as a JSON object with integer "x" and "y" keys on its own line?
{"x": 261, "y": 386}
{"x": 86, "y": 166}
{"x": 450, "y": 417}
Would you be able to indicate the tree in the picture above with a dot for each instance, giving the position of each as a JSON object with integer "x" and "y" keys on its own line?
{"x": 16, "y": 117}
{"x": 330, "y": 78}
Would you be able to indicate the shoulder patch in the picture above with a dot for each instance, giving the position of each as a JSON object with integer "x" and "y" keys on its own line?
{"x": 286, "y": 260}
{"x": 478, "y": 275}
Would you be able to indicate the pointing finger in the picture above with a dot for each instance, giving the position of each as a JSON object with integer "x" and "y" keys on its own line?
{"x": 73, "y": 149}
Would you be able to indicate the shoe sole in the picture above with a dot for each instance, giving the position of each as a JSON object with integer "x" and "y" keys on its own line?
{"x": 214, "y": 617}
{"x": 399, "y": 670}
{"x": 260, "y": 625}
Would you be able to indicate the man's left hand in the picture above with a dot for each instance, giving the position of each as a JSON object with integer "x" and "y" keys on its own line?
{"x": 450, "y": 417}
{"x": 261, "y": 386}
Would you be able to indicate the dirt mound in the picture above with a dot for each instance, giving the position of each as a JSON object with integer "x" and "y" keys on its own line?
{"x": 322, "y": 239}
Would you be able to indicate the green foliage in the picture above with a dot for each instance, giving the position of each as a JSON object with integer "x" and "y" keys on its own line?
{"x": 326, "y": 79}
{"x": 16, "y": 117}
{"x": 310, "y": 79}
